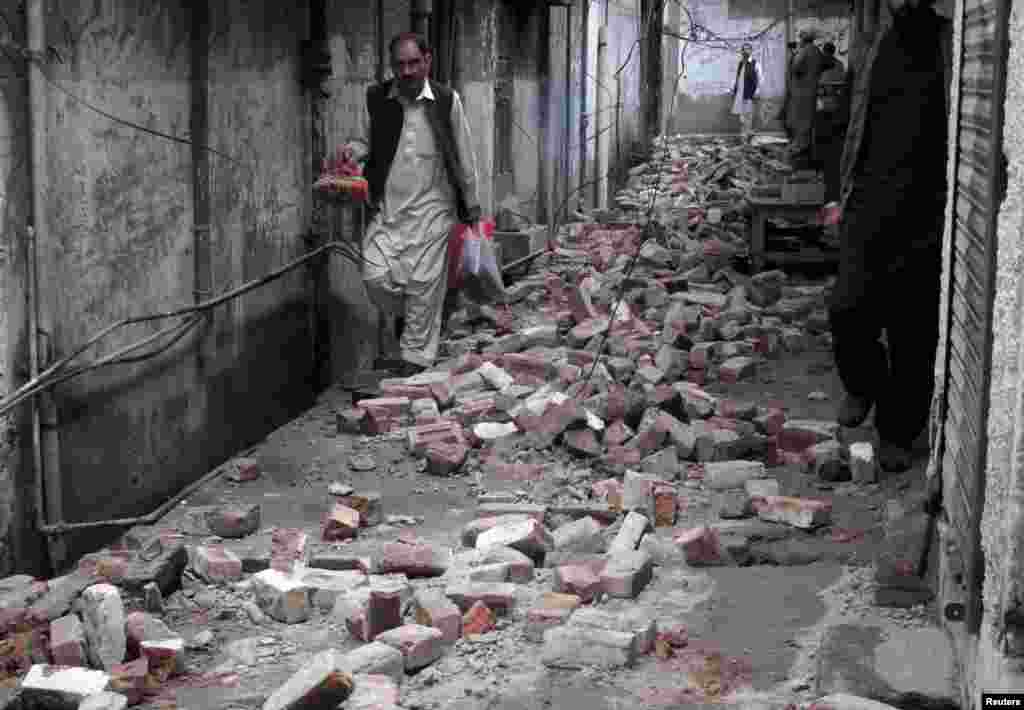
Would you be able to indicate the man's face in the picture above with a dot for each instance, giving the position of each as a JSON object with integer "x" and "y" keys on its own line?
{"x": 745, "y": 52}
{"x": 411, "y": 68}
{"x": 901, "y": 8}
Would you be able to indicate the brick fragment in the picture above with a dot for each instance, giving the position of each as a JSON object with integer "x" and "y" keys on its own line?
{"x": 579, "y": 647}
{"x": 446, "y": 459}
{"x": 216, "y": 564}
{"x": 610, "y": 491}
{"x": 581, "y": 536}
{"x": 140, "y": 626}
{"x": 282, "y": 597}
{"x": 375, "y": 658}
{"x": 420, "y": 645}
{"x": 626, "y": 574}
{"x": 797, "y": 435}
{"x": 638, "y": 491}
{"x": 243, "y": 470}
{"x": 414, "y": 560}
{"x": 287, "y": 549}
{"x": 862, "y": 462}
{"x": 583, "y": 442}
{"x": 801, "y": 513}
{"x": 325, "y": 586}
{"x": 103, "y": 621}
{"x": 434, "y": 609}
{"x": 520, "y": 568}
{"x": 320, "y": 682}
{"x": 68, "y": 686}
{"x": 701, "y": 546}
{"x": 420, "y": 437}
{"x": 374, "y": 692}
{"x": 582, "y": 580}
{"x": 67, "y": 641}
{"x": 722, "y": 475}
{"x": 340, "y": 523}
{"x": 628, "y": 538}
{"x": 165, "y": 658}
{"x": 105, "y": 700}
{"x": 666, "y": 504}
{"x": 631, "y": 620}
{"x": 129, "y": 679}
{"x": 478, "y": 620}
{"x": 664, "y": 463}
{"x": 498, "y": 596}
{"x": 618, "y": 433}
{"x": 540, "y": 619}
{"x": 367, "y": 504}
{"x": 471, "y": 531}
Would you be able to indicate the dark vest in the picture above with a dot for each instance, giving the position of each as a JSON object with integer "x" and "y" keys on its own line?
{"x": 749, "y": 78}
{"x": 386, "y": 119}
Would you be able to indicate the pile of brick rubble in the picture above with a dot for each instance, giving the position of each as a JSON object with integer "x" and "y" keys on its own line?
{"x": 615, "y": 385}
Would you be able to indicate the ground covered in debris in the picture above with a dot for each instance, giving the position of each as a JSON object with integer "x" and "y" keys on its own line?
{"x": 626, "y": 489}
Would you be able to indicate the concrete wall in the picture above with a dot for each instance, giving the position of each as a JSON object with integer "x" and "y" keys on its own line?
{"x": 14, "y": 212}
{"x": 704, "y": 104}
{"x": 120, "y": 220}
{"x": 624, "y": 60}
{"x": 528, "y": 135}
{"x": 985, "y": 663}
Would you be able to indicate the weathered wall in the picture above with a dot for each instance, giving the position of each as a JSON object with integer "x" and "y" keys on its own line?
{"x": 528, "y": 134}
{"x": 986, "y": 666}
{"x": 14, "y": 210}
{"x": 120, "y": 222}
{"x": 474, "y": 80}
{"x": 623, "y": 82}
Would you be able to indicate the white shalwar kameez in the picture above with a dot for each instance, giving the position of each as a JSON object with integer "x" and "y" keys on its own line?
{"x": 405, "y": 248}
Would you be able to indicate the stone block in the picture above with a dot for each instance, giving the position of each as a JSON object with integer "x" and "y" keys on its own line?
{"x": 373, "y": 692}
{"x": 103, "y": 621}
{"x": 375, "y": 658}
{"x": 434, "y": 609}
{"x": 627, "y": 574}
{"x": 801, "y": 513}
{"x": 340, "y": 523}
{"x": 576, "y": 647}
{"x": 420, "y": 645}
{"x": 862, "y": 462}
{"x": 282, "y": 597}
{"x": 325, "y": 586}
{"x": 528, "y": 536}
{"x": 234, "y": 521}
{"x": 520, "y": 568}
{"x": 628, "y": 538}
{"x": 61, "y": 688}
{"x": 471, "y": 531}
{"x": 216, "y": 564}
{"x": 414, "y": 560}
{"x": 631, "y": 620}
{"x": 722, "y": 475}
{"x": 581, "y": 536}
{"x": 67, "y": 641}
{"x": 320, "y": 682}
{"x": 499, "y": 597}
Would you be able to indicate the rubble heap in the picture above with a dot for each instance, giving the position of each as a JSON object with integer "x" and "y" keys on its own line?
{"x": 604, "y": 364}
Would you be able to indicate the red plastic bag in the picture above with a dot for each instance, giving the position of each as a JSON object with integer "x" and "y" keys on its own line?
{"x": 460, "y": 237}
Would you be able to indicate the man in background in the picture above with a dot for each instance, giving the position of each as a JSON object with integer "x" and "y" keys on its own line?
{"x": 745, "y": 90}
{"x": 422, "y": 177}
{"x": 803, "y": 98}
{"x": 893, "y": 204}
{"x": 831, "y": 120}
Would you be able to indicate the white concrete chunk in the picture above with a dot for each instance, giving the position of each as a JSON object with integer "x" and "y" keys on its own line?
{"x": 61, "y": 686}
{"x": 103, "y": 619}
{"x": 282, "y": 597}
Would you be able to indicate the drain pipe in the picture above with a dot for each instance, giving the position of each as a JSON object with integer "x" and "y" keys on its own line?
{"x": 45, "y": 427}
{"x": 602, "y": 124}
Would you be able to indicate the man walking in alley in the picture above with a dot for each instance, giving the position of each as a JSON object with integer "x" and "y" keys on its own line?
{"x": 802, "y": 99}
{"x": 421, "y": 171}
{"x": 745, "y": 89}
{"x": 893, "y": 199}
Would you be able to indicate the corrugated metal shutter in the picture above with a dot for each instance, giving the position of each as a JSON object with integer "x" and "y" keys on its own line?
{"x": 978, "y": 188}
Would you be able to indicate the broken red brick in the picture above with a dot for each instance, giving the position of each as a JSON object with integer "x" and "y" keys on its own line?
{"x": 666, "y": 503}
{"x": 420, "y": 437}
{"x": 341, "y": 523}
{"x": 129, "y": 679}
{"x": 478, "y": 620}
{"x": 287, "y": 548}
{"x": 444, "y": 458}
{"x": 582, "y": 580}
{"x": 247, "y": 469}
{"x": 413, "y": 560}
{"x": 701, "y": 545}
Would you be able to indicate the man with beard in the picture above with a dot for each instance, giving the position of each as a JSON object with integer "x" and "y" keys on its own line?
{"x": 422, "y": 178}
{"x": 745, "y": 89}
{"x": 893, "y": 201}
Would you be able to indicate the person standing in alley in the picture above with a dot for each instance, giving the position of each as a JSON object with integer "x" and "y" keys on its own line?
{"x": 831, "y": 120}
{"x": 892, "y": 205}
{"x": 421, "y": 171}
{"x": 745, "y": 89}
{"x": 802, "y": 99}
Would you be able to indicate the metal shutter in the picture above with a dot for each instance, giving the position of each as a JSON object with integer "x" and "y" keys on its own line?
{"x": 977, "y": 193}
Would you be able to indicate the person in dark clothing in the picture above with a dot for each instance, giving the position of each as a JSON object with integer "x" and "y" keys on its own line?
{"x": 745, "y": 89}
{"x": 831, "y": 120}
{"x": 802, "y": 99}
{"x": 892, "y": 205}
